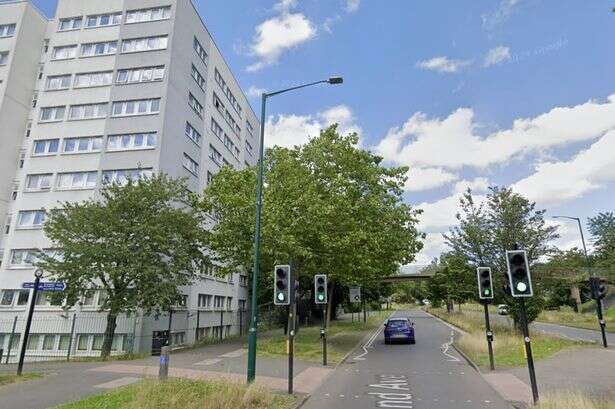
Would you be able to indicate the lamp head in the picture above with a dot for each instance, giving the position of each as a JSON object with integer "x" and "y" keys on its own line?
{"x": 38, "y": 273}
{"x": 335, "y": 80}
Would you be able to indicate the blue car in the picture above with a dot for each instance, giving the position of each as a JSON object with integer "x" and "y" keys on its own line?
{"x": 399, "y": 329}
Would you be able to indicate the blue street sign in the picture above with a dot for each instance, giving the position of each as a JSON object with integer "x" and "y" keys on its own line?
{"x": 49, "y": 286}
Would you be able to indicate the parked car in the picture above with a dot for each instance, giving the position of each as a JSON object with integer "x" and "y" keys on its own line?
{"x": 399, "y": 329}
{"x": 426, "y": 302}
{"x": 503, "y": 309}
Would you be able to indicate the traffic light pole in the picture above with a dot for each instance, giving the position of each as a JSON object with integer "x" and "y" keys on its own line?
{"x": 528, "y": 349}
{"x": 489, "y": 335}
{"x": 323, "y": 335}
{"x": 601, "y": 321}
{"x": 291, "y": 337}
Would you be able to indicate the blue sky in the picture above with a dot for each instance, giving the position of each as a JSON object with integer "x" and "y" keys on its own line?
{"x": 467, "y": 93}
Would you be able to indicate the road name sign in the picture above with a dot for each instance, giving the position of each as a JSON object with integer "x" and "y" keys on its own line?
{"x": 49, "y": 286}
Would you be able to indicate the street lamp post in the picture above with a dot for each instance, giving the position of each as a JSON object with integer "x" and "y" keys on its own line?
{"x": 593, "y": 274}
{"x": 257, "y": 230}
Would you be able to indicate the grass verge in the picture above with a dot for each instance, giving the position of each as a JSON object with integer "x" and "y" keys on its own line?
{"x": 507, "y": 346}
{"x": 584, "y": 320}
{"x": 572, "y": 400}
{"x": 12, "y": 378}
{"x": 186, "y": 394}
{"x": 342, "y": 336}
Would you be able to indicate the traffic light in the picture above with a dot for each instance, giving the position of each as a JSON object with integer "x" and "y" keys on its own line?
{"x": 598, "y": 287}
{"x": 281, "y": 285}
{"x": 320, "y": 288}
{"x": 485, "y": 284}
{"x": 519, "y": 273}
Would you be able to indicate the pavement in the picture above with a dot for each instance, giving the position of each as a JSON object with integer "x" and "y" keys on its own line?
{"x": 66, "y": 382}
{"x": 429, "y": 374}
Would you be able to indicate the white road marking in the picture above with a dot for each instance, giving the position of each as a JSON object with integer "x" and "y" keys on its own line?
{"x": 116, "y": 383}
{"x": 446, "y": 346}
{"x": 234, "y": 354}
{"x": 211, "y": 361}
{"x": 368, "y": 345}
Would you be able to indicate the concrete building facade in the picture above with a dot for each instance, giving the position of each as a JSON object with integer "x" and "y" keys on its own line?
{"x": 109, "y": 91}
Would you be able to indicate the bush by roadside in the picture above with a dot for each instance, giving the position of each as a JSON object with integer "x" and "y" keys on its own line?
{"x": 342, "y": 336}
{"x": 508, "y": 344}
{"x": 186, "y": 394}
{"x": 572, "y": 400}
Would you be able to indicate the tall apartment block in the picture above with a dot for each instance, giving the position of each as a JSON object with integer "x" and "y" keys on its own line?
{"x": 109, "y": 91}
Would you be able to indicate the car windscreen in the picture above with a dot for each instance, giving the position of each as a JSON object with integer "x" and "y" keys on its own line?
{"x": 397, "y": 324}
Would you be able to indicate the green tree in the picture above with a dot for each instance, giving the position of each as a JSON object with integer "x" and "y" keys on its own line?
{"x": 602, "y": 229}
{"x": 138, "y": 244}
{"x": 328, "y": 207}
{"x": 453, "y": 280}
{"x": 502, "y": 222}
{"x": 562, "y": 276}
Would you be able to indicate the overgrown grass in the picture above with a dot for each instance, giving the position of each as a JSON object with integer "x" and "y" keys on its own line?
{"x": 186, "y": 394}
{"x": 508, "y": 345}
{"x": 572, "y": 400}
{"x": 566, "y": 316}
{"x": 341, "y": 338}
{"x": 6, "y": 379}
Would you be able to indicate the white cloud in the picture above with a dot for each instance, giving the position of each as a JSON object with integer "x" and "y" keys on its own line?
{"x": 433, "y": 246}
{"x": 438, "y": 216}
{"x": 500, "y": 15}
{"x": 291, "y": 130}
{"x": 556, "y": 182}
{"x": 280, "y": 33}
{"x": 496, "y": 56}
{"x": 352, "y": 5}
{"x": 457, "y": 144}
{"x": 428, "y": 178}
{"x": 255, "y": 92}
{"x": 442, "y": 64}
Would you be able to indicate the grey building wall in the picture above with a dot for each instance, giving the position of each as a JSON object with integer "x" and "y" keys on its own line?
{"x": 181, "y": 28}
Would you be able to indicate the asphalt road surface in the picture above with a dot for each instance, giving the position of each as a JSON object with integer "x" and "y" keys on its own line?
{"x": 429, "y": 374}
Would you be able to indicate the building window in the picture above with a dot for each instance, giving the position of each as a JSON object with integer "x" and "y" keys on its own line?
{"x": 104, "y": 48}
{"x": 64, "y": 52}
{"x": 83, "y": 144}
{"x": 205, "y": 300}
{"x": 193, "y": 134}
{"x": 249, "y": 148}
{"x": 198, "y": 78}
{"x": 122, "y": 176}
{"x": 50, "y": 114}
{"x": 228, "y": 143}
{"x": 229, "y": 303}
{"x": 153, "y": 14}
{"x": 45, "y": 147}
{"x": 215, "y": 156}
{"x": 38, "y": 183}
{"x": 136, "y": 107}
{"x": 7, "y": 30}
{"x": 217, "y": 130}
{"x": 250, "y": 128}
{"x": 241, "y": 305}
{"x": 73, "y": 23}
{"x": 93, "y": 79}
{"x": 195, "y": 104}
{"x": 134, "y": 75}
{"x": 87, "y": 111}
{"x": 31, "y": 219}
{"x": 104, "y": 20}
{"x": 77, "y": 180}
{"x": 4, "y": 57}
{"x": 130, "y": 142}
{"x": 23, "y": 257}
{"x": 144, "y": 44}
{"x": 210, "y": 177}
{"x": 83, "y": 342}
{"x": 227, "y": 91}
{"x": 218, "y": 301}
{"x": 243, "y": 280}
{"x": 190, "y": 164}
{"x": 57, "y": 82}
{"x": 200, "y": 51}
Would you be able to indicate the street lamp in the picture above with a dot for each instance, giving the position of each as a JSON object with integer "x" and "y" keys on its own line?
{"x": 593, "y": 274}
{"x": 257, "y": 230}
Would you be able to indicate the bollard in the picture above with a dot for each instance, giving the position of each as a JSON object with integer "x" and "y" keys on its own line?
{"x": 163, "y": 372}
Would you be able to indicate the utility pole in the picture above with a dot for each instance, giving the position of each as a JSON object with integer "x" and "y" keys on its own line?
{"x": 24, "y": 344}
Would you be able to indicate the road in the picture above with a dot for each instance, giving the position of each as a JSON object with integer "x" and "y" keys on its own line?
{"x": 429, "y": 374}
